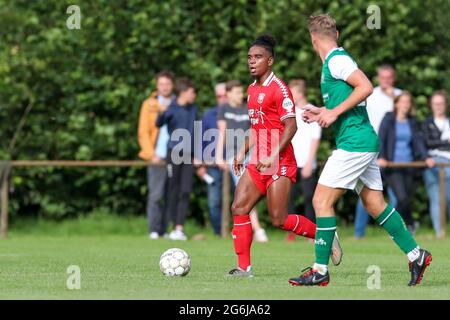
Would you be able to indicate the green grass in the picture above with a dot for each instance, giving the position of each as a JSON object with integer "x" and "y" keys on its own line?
{"x": 33, "y": 263}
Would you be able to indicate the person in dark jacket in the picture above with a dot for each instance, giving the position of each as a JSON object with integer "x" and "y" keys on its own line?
{"x": 180, "y": 118}
{"x": 436, "y": 131}
{"x": 401, "y": 141}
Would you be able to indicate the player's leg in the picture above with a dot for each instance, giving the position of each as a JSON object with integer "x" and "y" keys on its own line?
{"x": 277, "y": 205}
{"x": 389, "y": 218}
{"x": 323, "y": 202}
{"x": 259, "y": 233}
{"x": 246, "y": 196}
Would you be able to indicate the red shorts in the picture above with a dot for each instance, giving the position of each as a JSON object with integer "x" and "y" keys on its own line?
{"x": 263, "y": 181}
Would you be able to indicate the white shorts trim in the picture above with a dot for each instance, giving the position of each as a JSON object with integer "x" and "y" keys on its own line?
{"x": 352, "y": 170}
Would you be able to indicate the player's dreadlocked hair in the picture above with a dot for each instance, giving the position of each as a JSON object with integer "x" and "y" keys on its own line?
{"x": 267, "y": 42}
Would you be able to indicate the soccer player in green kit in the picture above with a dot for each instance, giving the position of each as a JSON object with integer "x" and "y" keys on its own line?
{"x": 353, "y": 165}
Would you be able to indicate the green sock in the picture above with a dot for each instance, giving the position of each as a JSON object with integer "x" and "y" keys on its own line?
{"x": 393, "y": 223}
{"x": 325, "y": 229}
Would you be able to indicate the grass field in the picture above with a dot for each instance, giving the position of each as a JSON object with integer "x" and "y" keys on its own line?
{"x": 125, "y": 266}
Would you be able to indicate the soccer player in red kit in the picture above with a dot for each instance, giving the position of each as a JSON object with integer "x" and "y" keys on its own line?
{"x": 272, "y": 168}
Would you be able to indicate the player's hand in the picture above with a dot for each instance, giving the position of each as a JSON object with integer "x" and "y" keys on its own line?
{"x": 430, "y": 162}
{"x": 264, "y": 163}
{"x": 382, "y": 163}
{"x": 237, "y": 167}
{"x": 310, "y": 113}
{"x": 326, "y": 117}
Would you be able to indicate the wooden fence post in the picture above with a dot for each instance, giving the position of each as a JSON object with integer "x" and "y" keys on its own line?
{"x": 442, "y": 201}
{"x": 226, "y": 204}
{"x": 4, "y": 187}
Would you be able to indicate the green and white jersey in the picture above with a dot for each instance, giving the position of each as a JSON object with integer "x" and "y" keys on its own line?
{"x": 352, "y": 129}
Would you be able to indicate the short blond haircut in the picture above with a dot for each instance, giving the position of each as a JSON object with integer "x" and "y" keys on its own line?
{"x": 323, "y": 25}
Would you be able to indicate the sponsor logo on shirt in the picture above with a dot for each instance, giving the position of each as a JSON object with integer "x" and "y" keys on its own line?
{"x": 288, "y": 105}
{"x": 261, "y": 97}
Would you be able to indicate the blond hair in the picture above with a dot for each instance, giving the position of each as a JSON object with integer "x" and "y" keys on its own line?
{"x": 323, "y": 25}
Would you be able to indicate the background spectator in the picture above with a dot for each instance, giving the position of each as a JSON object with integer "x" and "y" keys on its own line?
{"x": 436, "y": 130}
{"x": 209, "y": 121}
{"x": 153, "y": 144}
{"x": 181, "y": 114}
{"x": 306, "y": 143}
{"x": 401, "y": 141}
{"x": 378, "y": 104}
{"x": 232, "y": 122}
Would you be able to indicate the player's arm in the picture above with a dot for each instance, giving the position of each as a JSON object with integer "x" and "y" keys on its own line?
{"x": 290, "y": 128}
{"x": 345, "y": 69}
{"x": 362, "y": 89}
{"x": 238, "y": 161}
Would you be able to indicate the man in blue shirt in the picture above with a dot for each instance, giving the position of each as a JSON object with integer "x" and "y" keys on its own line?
{"x": 180, "y": 118}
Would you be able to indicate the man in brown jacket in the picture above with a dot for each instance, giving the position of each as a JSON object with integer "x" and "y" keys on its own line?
{"x": 153, "y": 143}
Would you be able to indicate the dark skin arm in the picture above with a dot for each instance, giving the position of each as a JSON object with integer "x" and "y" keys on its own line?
{"x": 238, "y": 161}
{"x": 290, "y": 128}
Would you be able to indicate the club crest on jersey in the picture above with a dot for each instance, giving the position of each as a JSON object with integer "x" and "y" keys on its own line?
{"x": 288, "y": 105}
{"x": 261, "y": 97}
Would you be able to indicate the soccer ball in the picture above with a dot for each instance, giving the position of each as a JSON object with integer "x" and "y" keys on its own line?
{"x": 175, "y": 262}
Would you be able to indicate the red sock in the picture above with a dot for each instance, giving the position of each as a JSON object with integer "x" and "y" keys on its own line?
{"x": 242, "y": 239}
{"x": 300, "y": 226}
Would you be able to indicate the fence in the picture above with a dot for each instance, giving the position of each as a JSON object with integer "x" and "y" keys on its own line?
{"x": 6, "y": 167}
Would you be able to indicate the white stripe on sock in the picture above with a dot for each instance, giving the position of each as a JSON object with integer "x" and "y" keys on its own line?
{"x": 298, "y": 221}
{"x": 392, "y": 211}
{"x": 241, "y": 224}
{"x": 324, "y": 229}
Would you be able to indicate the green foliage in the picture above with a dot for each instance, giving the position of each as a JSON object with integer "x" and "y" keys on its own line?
{"x": 86, "y": 86}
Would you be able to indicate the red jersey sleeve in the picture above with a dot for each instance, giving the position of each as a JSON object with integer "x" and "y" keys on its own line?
{"x": 284, "y": 102}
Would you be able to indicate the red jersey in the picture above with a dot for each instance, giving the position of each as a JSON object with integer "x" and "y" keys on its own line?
{"x": 268, "y": 105}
